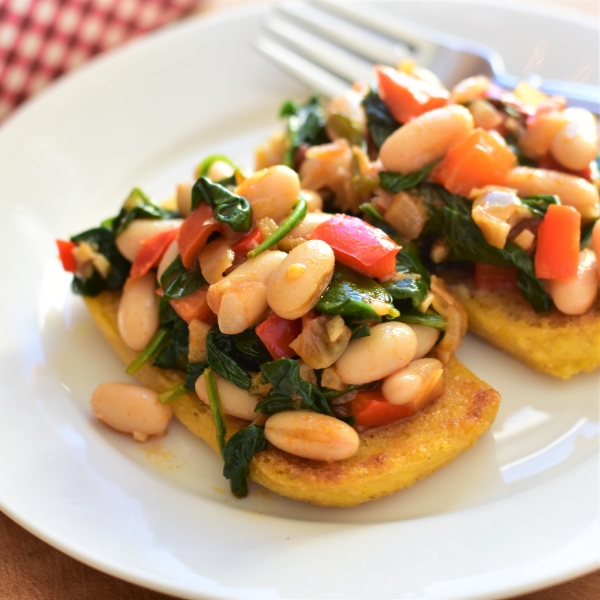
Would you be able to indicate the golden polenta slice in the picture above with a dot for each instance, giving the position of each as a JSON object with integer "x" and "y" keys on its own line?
{"x": 389, "y": 459}
{"x": 550, "y": 342}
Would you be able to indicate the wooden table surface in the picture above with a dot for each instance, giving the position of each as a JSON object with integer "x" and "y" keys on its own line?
{"x": 32, "y": 570}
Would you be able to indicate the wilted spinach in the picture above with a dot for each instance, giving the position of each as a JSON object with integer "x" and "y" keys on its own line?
{"x": 380, "y": 122}
{"x": 586, "y": 233}
{"x": 351, "y": 295}
{"x": 229, "y": 208}
{"x": 416, "y": 317}
{"x": 240, "y": 449}
{"x": 346, "y": 128}
{"x": 174, "y": 355}
{"x": 179, "y": 282}
{"x": 538, "y": 205}
{"x": 223, "y": 357}
{"x": 306, "y": 125}
{"x": 290, "y": 391}
{"x": 192, "y": 372}
{"x": 455, "y": 224}
{"x": 408, "y": 288}
{"x": 359, "y": 330}
{"x": 102, "y": 240}
{"x": 396, "y": 182}
{"x": 252, "y": 347}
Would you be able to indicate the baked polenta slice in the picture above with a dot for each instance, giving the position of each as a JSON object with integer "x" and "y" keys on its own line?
{"x": 389, "y": 459}
{"x": 550, "y": 342}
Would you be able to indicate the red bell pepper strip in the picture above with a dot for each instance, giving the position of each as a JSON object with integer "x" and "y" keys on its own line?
{"x": 248, "y": 242}
{"x": 478, "y": 160}
{"x": 151, "y": 251}
{"x": 371, "y": 409}
{"x": 65, "y": 253}
{"x": 194, "y": 233}
{"x": 193, "y": 306}
{"x": 557, "y": 253}
{"x": 277, "y": 334}
{"x": 408, "y": 97}
{"x": 489, "y": 277}
{"x": 358, "y": 245}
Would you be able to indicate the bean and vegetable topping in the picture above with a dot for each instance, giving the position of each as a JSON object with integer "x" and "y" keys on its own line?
{"x": 295, "y": 297}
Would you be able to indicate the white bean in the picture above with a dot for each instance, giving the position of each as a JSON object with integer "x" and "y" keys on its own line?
{"x": 426, "y": 339}
{"x": 470, "y": 89}
{"x": 257, "y": 269}
{"x": 130, "y": 240}
{"x": 131, "y": 409}
{"x": 184, "y": 198}
{"x": 234, "y": 400}
{"x": 425, "y": 139}
{"x": 389, "y": 348}
{"x": 575, "y": 145}
{"x": 572, "y": 191}
{"x": 310, "y": 222}
{"x": 272, "y": 192}
{"x": 596, "y": 243}
{"x": 137, "y": 317}
{"x": 171, "y": 253}
{"x": 215, "y": 258}
{"x": 314, "y": 202}
{"x": 537, "y": 138}
{"x": 416, "y": 385}
{"x": 312, "y": 435}
{"x": 576, "y": 295}
{"x": 242, "y": 306}
{"x": 220, "y": 170}
{"x": 300, "y": 280}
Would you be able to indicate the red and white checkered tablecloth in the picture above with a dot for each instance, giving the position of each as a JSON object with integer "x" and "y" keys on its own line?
{"x": 42, "y": 39}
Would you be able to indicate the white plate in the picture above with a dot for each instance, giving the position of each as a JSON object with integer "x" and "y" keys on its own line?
{"x": 518, "y": 512}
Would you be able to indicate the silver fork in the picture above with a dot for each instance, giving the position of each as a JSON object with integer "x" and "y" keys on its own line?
{"x": 328, "y": 44}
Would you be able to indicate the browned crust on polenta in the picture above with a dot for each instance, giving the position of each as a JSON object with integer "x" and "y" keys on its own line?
{"x": 389, "y": 459}
{"x": 550, "y": 342}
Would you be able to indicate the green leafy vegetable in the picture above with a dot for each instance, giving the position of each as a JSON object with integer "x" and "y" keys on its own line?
{"x": 352, "y": 295}
{"x": 174, "y": 354}
{"x": 455, "y": 225}
{"x": 286, "y": 226}
{"x": 192, "y": 372}
{"x": 429, "y": 319}
{"x": 173, "y": 393}
{"x": 346, "y": 128}
{"x": 538, "y": 205}
{"x": 229, "y": 208}
{"x": 102, "y": 240}
{"x": 239, "y": 451}
{"x": 408, "y": 288}
{"x": 138, "y": 206}
{"x": 586, "y": 233}
{"x": 306, "y": 125}
{"x": 170, "y": 351}
{"x": 157, "y": 343}
{"x": 359, "y": 330}
{"x": 220, "y": 350}
{"x": 179, "y": 282}
{"x": 252, "y": 346}
{"x": 408, "y": 261}
{"x": 290, "y": 391}
{"x": 396, "y": 182}
{"x": 380, "y": 122}
{"x": 214, "y": 402}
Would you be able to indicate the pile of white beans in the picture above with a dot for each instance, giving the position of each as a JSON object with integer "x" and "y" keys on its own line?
{"x": 290, "y": 284}
{"x": 287, "y": 284}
